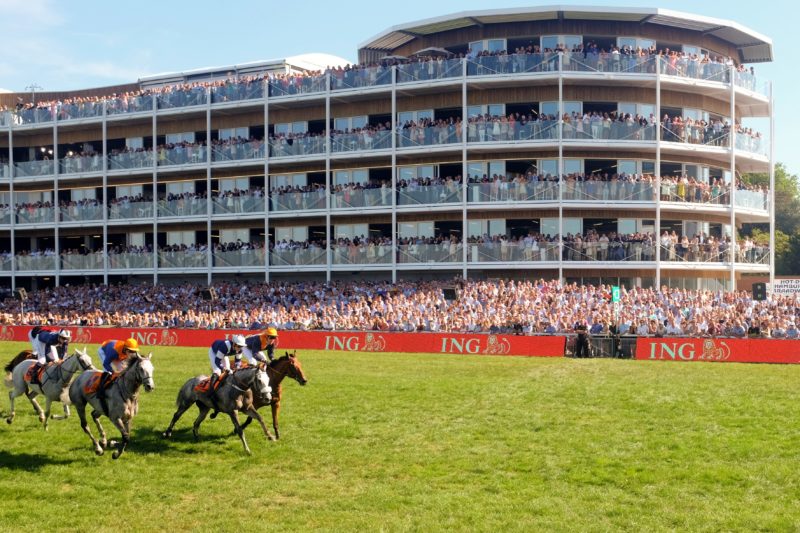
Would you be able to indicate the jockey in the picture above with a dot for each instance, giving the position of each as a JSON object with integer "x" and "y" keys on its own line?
{"x": 266, "y": 340}
{"x": 220, "y": 362}
{"x": 33, "y": 335}
{"x": 52, "y": 346}
{"x": 113, "y": 353}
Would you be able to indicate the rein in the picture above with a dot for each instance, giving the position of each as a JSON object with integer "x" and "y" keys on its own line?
{"x": 235, "y": 384}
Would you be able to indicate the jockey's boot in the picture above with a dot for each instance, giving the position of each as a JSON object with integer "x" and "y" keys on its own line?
{"x": 212, "y": 395}
{"x": 101, "y": 391}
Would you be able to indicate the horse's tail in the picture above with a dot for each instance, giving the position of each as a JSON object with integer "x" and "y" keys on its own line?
{"x": 20, "y": 357}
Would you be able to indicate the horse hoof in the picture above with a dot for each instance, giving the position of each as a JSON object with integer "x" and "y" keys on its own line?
{"x": 41, "y": 419}
{"x": 10, "y": 419}
{"x": 99, "y": 451}
{"x": 271, "y": 438}
{"x": 115, "y": 455}
{"x": 166, "y": 434}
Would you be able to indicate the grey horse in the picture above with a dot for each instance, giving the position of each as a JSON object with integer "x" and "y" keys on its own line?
{"x": 233, "y": 395}
{"x": 54, "y": 383}
{"x": 122, "y": 400}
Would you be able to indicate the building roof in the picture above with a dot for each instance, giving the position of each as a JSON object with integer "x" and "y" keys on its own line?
{"x": 753, "y": 46}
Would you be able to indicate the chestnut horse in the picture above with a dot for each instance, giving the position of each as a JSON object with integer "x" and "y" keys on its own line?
{"x": 286, "y": 366}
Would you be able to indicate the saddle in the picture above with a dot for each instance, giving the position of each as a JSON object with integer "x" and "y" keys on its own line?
{"x": 204, "y": 384}
{"x": 34, "y": 374}
{"x": 92, "y": 385}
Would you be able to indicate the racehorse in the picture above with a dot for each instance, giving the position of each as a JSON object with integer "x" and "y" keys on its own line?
{"x": 233, "y": 395}
{"x": 122, "y": 400}
{"x": 53, "y": 385}
{"x": 286, "y": 366}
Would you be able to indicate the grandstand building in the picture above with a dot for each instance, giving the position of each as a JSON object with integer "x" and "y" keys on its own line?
{"x": 586, "y": 144}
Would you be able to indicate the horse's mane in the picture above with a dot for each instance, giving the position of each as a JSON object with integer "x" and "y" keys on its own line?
{"x": 20, "y": 357}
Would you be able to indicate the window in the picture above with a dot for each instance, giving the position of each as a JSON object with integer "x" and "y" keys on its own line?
{"x": 129, "y": 190}
{"x": 232, "y": 184}
{"x": 349, "y": 231}
{"x": 33, "y": 197}
{"x": 551, "y": 108}
{"x": 180, "y": 237}
{"x": 288, "y": 180}
{"x": 415, "y": 229}
{"x": 233, "y": 133}
{"x": 477, "y": 169}
{"x": 627, "y": 225}
{"x": 634, "y": 43}
{"x": 550, "y": 166}
{"x": 569, "y": 41}
{"x": 180, "y": 187}
{"x": 233, "y": 235}
{"x": 414, "y": 116}
{"x": 177, "y": 138}
{"x": 292, "y": 233}
{"x": 135, "y": 239}
{"x": 134, "y": 143}
{"x": 83, "y": 194}
{"x": 634, "y": 109}
{"x": 478, "y": 228}
{"x": 491, "y": 109}
{"x": 491, "y": 45}
{"x": 349, "y": 123}
{"x": 343, "y": 177}
{"x": 291, "y": 127}
{"x": 626, "y": 166}
{"x": 420, "y": 171}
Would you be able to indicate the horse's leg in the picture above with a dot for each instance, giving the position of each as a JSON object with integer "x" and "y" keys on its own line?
{"x": 182, "y": 408}
{"x": 251, "y": 414}
{"x": 13, "y": 393}
{"x": 204, "y": 409}
{"x": 48, "y": 402}
{"x": 81, "y": 408}
{"x": 103, "y": 438}
{"x": 239, "y": 431}
{"x": 124, "y": 429}
{"x": 65, "y": 415}
{"x": 32, "y": 397}
{"x": 276, "y": 409}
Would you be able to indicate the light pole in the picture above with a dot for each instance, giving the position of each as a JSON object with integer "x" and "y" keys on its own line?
{"x": 32, "y": 88}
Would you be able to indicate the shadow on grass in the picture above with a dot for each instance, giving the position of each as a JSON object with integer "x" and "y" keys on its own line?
{"x": 29, "y": 462}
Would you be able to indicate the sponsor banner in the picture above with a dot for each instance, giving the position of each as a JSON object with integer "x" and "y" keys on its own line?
{"x": 788, "y": 287}
{"x": 364, "y": 341}
{"x": 727, "y": 350}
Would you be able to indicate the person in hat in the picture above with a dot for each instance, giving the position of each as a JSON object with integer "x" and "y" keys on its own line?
{"x": 219, "y": 355}
{"x": 256, "y": 344}
{"x": 113, "y": 353}
{"x": 52, "y": 345}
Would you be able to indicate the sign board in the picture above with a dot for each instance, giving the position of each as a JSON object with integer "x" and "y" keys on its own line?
{"x": 786, "y": 286}
{"x": 614, "y": 293}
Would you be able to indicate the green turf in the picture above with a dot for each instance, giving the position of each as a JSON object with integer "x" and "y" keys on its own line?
{"x": 401, "y": 442}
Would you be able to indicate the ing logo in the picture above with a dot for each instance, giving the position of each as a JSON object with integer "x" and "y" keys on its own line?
{"x": 168, "y": 338}
{"x": 83, "y": 335}
{"x": 497, "y": 345}
{"x": 712, "y": 352}
{"x": 374, "y": 343}
{"x": 6, "y": 333}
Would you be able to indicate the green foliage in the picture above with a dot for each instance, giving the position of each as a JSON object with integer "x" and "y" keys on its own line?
{"x": 398, "y": 442}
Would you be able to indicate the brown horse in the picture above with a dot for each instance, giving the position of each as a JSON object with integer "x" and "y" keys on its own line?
{"x": 286, "y": 366}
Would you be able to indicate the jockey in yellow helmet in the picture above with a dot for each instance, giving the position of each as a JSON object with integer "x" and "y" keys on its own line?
{"x": 256, "y": 344}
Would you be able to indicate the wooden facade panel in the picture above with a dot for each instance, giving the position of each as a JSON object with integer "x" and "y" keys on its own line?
{"x": 382, "y": 106}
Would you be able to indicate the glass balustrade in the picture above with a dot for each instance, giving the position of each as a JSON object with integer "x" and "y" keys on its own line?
{"x": 232, "y": 91}
{"x": 130, "y": 160}
{"x": 752, "y": 199}
{"x": 36, "y": 262}
{"x": 500, "y": 130}
{"x": 437, "y": 69}
{"x": 694, "y": 68}
{"x": 5, "y": 169}
{"x": 181, "y": 155}
{"x": 510, "y": 251}
{"x": 709, "y": 252}
{"x": 79, "y": 164}
{"x": 361, "y": 141}
{"x": 237, "y": 204}
{"x": 80, "y": 213}
{"x": 130, "y": 260}
{"x": 35, "y": 215}
{"x": 754, "y": 144}
{"x": 416, "y": 136}
{"x": 297, "y": 201}
{"x": 125, "y": 210}
{"x": 187, "y": 207}
{"x": 538, "y": 191}
{"x": 296, "y": 85}
{"x": 359, "y": 78}
{"x": 82, "y": 262}
{"x": 430, "y": 194}
{"x": 297, "y": 146}
{"x": 614, "y": 191}
{"x": 699, "y": 134}
{"x": 300, "y": 256}
{"x": 618, "y": 63}
{"x": 5, "y": 214}
{"x": 238, "y": 151}
{"x": 599, "y": 129}
{"x": 239, "y": 258}
{"x": 352, "y": 198}
{"x": 362, "y": 255}
{"x": 181, "y": 98}
{"x": 125, "y": 104}
{"x": 446, "y": 252}
{"x": 692, "y": 192}
{"x": 27, "y": 116}
{"x": 34, "y": 168}
{"x": 181, "y": 259}
{"x": 6, "y": 263}
{"x": 78, "y": 110}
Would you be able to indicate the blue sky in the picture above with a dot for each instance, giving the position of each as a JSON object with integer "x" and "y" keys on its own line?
{"x": 61, "y": 45}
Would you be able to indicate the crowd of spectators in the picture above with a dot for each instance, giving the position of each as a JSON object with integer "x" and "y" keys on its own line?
{"x": 495, "y": 306}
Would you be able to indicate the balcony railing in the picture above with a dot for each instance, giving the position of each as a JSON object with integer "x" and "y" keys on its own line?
{"x": 430, "y": 194}
{"x": 361, "y": 141}
{"x": 237, "y": 204}
{"x": 297, "y": 85}
{"x": 364, "y": 254}
{"x": 181, "y": 155}
{"x": 36, "y": 262}
{"x": 445, "y": 252}
{"x": 239, "y": 258}
{"x": 80, "y": 213}
{"x": 238, "y": 151}
{"x": 361, "y": 78}
{"x": 416, "y": 136}
{"x": 511, "y": 251}
{"x": 6, "y": 263}
{"x": 34, "y": 168}
{"x": 429, "y": 70}
{"x": 297, "y": 146}
{"x": 125, "y": 210}
{"x": 130, "y": 160}
{"x": 752, "y": 199}
{"x": 353, "y": 198}
{"x": 77, "y": 110}
{"x": 130, "y": 261}
{"x": 36, "y": 215}
{"x": 181, "y": 98}
{"x": 182, "y": 208}
{"x": 80, "y": 164}
{"x": 180, "y": 259}
{"x": 232, "y": 91}
{"x": 129, "y": 104}
{"x": 82, "y": 262}
{"x": 614, "y": 191}
{"x": 538, "y": 191}
{"x": 313, "y": 255}
{"x": 297, "y": 201}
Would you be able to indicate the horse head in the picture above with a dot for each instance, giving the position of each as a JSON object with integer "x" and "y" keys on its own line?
{"x": 144, "y": 371}
{"x": 290, "y": 366}
{"x": 261, "y": 383}
{"x": 83, "y": 358}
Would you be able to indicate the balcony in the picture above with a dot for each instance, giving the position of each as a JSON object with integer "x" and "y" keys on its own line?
{"x": 34, "y": 168}
{"x": 359, "y": 198}
{"x": 36, "y": 215}
{"x": 181, "y": 155}
{"x": 236, "y": 91}
{"x": 81, "y": 164}
{"x": 127, "y": 104}
{"x": 127, "y": 210}
{"x": 305, "y": 255}
{"x": 182, "y": 259}
{"x": 239, "y": 258}
{"x": 230, "y": 204}
{"x": 173, "y": 97}
{"x": 293, "y": 201}
{"x": 238, "y": 151}
{"x": 182, "y": 207}
{"x": 445, "y": 252}
{"x": 128, "y": 261}
{"x": 505, "y": 191}
{"x": 294, "y": 146}
{"x": 130, "y": 160}
{"x": 92, "y": 261}
{"x": 36, "y": 262}
{"x": 80, "y": 213}
{"x": 362, "y": 254}
{"x": 361, "y": 141}
{"x": 430, "y": 194}
{"x": 438, "y": 69}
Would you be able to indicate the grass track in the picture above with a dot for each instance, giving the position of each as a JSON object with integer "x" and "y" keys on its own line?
{"x": 401, "y": 442}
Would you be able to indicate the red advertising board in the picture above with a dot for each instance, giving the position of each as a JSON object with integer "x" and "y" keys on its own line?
{"x": 728, "y": 350}
{"x": 369, "y": 341}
